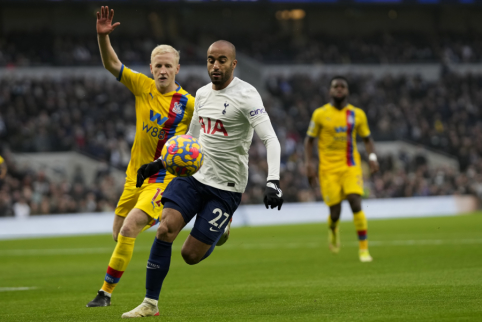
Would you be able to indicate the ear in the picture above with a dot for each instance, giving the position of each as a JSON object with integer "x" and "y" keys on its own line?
{"x": 178, "y": 68}
{"x": 235, "y": 62}
{"x": 150, "y": 66}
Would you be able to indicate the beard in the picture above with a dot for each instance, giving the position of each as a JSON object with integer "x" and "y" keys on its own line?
{"x": 222, "y": 79}
{"x": 339, "y": 99}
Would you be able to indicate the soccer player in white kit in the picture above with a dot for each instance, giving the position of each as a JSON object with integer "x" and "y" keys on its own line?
{"x": 226, "y": 113}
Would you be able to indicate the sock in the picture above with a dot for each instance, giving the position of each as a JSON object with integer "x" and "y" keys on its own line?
{"x": 118, "y": 262}
{"x": 157, "y": 267}
{"x": 361, "y": 226}
{"x": 333, "y": 225}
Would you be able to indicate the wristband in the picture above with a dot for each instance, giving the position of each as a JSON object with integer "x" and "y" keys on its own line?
{"x": 372, "y": 157}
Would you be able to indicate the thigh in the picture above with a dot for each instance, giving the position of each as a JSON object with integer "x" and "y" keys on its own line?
{"x": 331, "y": 188}
{"x": 184, "y": 195}
{"x": 149, "y": 200}
{"x": 215, "y": 214}
{"x": 127, "y": 201}
{"x": 352, "y": 181}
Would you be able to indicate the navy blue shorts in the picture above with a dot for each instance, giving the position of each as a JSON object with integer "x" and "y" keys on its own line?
{"x": 214, "y": 207}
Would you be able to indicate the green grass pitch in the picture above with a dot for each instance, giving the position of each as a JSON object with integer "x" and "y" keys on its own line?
{"x": 424, "y": 269}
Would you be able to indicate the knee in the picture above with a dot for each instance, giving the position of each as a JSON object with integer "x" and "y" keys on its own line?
{"x": 191, "y": 258}
{"x": 127, "y": 230}
{"x": 335, "y": 212}
{"x": 355, "y": 203}
{"x": 165, "y": 233}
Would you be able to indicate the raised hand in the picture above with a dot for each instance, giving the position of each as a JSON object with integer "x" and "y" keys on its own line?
{"x": 104, "y": 21}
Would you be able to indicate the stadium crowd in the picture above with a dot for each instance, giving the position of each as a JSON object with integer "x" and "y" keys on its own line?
{"x": 26, "y": 192}
{"x": 97, "y": 118}
{"x": 46, "y": 49}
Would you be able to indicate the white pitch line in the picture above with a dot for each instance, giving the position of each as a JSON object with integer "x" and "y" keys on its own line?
{"x": 233, "y": 246}
{"x": 12, "y": 289}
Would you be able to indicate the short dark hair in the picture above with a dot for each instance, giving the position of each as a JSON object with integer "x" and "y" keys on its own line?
{"x": 339, "y": 77}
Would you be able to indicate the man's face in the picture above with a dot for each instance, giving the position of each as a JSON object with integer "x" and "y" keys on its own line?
{"x": 164, "y": 68}
{"x": 221, "y": 64}
{"x": 339, "y": 90}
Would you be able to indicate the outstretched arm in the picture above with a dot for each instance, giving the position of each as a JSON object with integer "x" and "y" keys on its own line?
{"x": 372, "y": 157}
{"x": 104, "y": 27}
{"x": 310, "y": 167}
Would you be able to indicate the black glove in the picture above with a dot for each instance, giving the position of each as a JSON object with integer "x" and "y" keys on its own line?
{"x": 147, "y": 170}
{"x": 273, "y": 196}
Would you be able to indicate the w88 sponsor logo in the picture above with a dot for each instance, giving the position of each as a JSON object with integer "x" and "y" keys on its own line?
{"x": 154, "y": 131}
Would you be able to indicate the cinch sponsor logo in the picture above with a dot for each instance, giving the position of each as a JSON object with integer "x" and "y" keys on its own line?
{"x": 340, "y": 129}
{"x": 258, "y": 111}
{"x": 157, "y": 117}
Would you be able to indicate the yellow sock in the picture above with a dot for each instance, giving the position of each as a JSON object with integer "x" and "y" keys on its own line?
{"x": 118, "y": 262}
{"x": 361, "y": 227}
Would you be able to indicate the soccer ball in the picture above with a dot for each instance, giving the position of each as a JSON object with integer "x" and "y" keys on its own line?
{"x": 182, "y": 155}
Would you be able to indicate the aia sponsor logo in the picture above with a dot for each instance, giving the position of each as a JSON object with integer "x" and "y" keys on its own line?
{"x": 212, "y": 126}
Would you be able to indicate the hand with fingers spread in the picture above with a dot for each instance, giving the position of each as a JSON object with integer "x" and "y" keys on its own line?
{"x": 104, "y": 21}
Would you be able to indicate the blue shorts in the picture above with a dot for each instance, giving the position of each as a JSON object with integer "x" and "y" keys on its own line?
{"x": 214, "y": 207}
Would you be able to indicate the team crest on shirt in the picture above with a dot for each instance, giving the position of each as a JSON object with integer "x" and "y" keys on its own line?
{"x": 177, "y": 108}
{"x": 350, "y": 120}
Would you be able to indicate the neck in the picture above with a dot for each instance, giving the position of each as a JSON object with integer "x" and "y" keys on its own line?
{"x": 170, "y": 88}
{"x": 339, "y": 105}
{"x": 224, "y": 85}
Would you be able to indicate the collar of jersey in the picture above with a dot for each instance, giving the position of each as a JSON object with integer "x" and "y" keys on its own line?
{"x": 171, "y": 92}
{"x": 222, "y": 90}
{"x": 346, "y": 106}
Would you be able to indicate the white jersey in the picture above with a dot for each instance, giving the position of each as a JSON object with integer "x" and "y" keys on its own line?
{"x": 223, "y": 120}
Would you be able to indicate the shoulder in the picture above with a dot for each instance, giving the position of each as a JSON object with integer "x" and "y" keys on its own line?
{"x": 245, "y": 89}
{"x": 320, "y": 110}
{"x": 203, "y": 90}
{"x": 358, "y": 111}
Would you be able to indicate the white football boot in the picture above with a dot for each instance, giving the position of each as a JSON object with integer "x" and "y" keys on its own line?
{"x": 147, "y": 308}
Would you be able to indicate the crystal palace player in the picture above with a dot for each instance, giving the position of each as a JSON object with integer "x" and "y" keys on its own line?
{"x": 227, "y": 111}
{"x": 336, "y": 125}
{"x": 163, "y": 109}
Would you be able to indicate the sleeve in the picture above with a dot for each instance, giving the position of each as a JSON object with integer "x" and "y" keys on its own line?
{"x": 133, "y": 80}
{"x": 314, "y": 127}
{"x": 1, "y": 160}
{"x": 253, "y": 108}
{"x": 267, "y": 134}
{"x": 362, "y": 127}
{"x": 194, "y": 127}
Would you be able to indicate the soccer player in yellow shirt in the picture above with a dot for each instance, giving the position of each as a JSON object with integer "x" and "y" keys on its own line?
{"x": 163, "y": 110}
{"x": 336, "y": 125}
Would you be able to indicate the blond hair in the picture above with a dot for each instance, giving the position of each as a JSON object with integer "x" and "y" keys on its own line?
{"x": 162, "y": 49}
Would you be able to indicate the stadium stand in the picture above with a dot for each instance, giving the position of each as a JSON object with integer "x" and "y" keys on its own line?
{"x": 97, "y": 119}
{"x": 47, "y": 49}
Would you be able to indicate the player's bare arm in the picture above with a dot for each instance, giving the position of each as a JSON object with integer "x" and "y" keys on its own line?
{"x": 372, "y": 157}
{"x": 104, "y": 27}
{"x": 310, "y": 166}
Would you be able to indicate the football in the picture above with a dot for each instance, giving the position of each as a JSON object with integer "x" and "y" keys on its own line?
{"x": 182, "y": 155}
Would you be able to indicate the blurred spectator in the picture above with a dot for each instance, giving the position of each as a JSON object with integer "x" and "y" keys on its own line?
{"x": 272, "y": 47}
{"x": 21, "y": 209}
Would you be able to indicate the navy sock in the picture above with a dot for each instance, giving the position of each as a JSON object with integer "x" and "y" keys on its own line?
{"x": 210, "y": 250}
{"x": 157, "y": 267}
